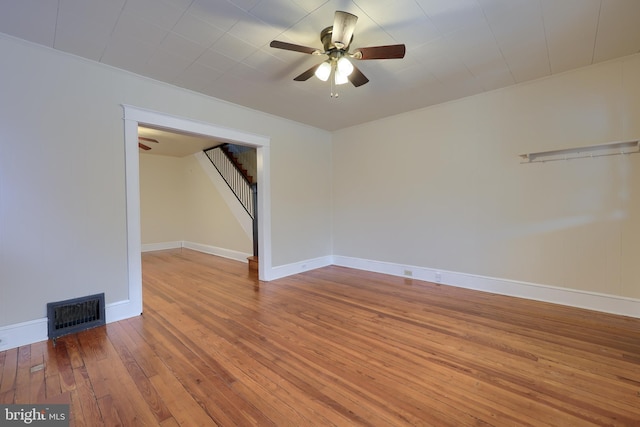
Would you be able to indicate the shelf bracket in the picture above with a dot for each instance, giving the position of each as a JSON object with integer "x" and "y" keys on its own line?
{"x": 599, "y": 150}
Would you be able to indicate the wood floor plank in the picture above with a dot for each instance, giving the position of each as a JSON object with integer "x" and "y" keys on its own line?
{"x": 52, "y": 385}
{"x": 73, "y": 350}
{"x": 3, "y": 358}
{"x": 333, "y": 347}
{"x": 37, "y": 385}
{"x": 170, "y": 422}
{"x": 223, "y": 329}
{"x": 63, "y": 364}
{"x": 528, "y": 364}
{"x": 264, "y": 381}
{"x": 132, "y": 409}
{"x": 109, "y": 412}
{"x": 76, "y": 414}
{"x": 146, "y": 389}
{"x": 8, "y": 397}
{"x": 144, "y": 355}
{"x": 23, "y": 375}
{"x": 92, "y": 344}
{"x": 84, "y": 391}
{"x": 9, "y": 370}
{"x": 204, "y": 382}
{"x": 184, "y": 409}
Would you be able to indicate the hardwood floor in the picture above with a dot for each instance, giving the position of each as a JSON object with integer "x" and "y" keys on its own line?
{"x": 332, "y": 346}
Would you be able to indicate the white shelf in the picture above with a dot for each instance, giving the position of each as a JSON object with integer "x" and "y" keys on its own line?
{"x": 599, "y": 150}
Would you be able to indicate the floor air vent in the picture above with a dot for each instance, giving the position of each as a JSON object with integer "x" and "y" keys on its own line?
{"x": 75, "y": 315}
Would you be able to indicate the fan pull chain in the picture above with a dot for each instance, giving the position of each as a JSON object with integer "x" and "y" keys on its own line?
{"x": 333, "y": 85}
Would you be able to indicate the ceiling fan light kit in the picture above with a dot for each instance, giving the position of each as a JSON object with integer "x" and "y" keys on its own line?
{"x": 336, "y": 41}
{"x": 340, "y": 78}
{"x": 344, "y": 66}
{"x": 324, "y": 71}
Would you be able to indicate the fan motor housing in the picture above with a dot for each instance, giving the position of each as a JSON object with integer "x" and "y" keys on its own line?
{"x": 325, "y": 38}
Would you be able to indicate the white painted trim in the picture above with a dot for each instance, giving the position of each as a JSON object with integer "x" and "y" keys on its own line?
{"x": 169, "y": 122}
{"x": 134, "y": 244}
{"x": 136, "y": 115}
{"x": 200, "y": 247}
{"x": 161, "y": 246}
{"x": 230, "y": 199}
{"x": 19, "y": 334}
{"x": 33, "y": 331}
{"x": 300, "y": 266}
{"x": 24, "y": 333}
{"x": 221, "y": 252}
{"x": 120, "y": 310}
{"x": 263, "y": 157}
{"x": 570, "y": 297}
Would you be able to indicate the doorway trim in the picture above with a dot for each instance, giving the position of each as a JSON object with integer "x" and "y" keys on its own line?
{"x": 134, "y": 116}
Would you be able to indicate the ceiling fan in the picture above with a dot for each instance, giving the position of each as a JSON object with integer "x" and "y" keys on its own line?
{"x": 336, "y": 41}
{"x": 143, "y": 146}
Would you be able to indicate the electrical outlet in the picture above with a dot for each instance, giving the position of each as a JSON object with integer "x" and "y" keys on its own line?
{"x": 438, "y": 277}
{"x": 408, "y": 273}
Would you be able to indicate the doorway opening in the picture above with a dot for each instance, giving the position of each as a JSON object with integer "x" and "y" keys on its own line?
{"x": 134, "y": 117}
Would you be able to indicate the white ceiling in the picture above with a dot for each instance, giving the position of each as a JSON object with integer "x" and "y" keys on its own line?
{"x": 172, "y": 143}
{"x": 455, "y": 48}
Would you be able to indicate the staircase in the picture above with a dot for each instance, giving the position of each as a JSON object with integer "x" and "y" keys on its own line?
{"x": 238, "y": 167}
{"x": 241, "y": 161}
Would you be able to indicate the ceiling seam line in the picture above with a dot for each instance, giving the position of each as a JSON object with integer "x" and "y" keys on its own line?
{"x": 55, "y": 31}
{"x": 513, "y": 78}
{"x": 595, "y": 37}
{"x": 546, "y": 38}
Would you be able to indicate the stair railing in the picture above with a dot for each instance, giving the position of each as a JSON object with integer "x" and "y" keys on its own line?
{"x": 245, "y": 191}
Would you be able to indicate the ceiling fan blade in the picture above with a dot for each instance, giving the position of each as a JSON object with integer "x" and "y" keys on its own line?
{"x": 357, "y": 78}
{"x": 144, "y": 147}
{"x": 394, "y": 51}
{"x": 307, "y": 74}
{"x": 142, "y": 138}
{"x": 294, "y": 47}
{"x": 344, "y": 24}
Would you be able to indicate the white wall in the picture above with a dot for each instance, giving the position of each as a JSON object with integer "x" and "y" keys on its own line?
{"x": 62, "y": 183}
{"x": 207, "y": 218}
{"x": 443, "y": 187}
{"x": 162, "y": 199}
{"x": 179, "y": 203}
{"x": 292, "y": 165}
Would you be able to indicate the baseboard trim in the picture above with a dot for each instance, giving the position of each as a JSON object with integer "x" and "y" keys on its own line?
{"x": 299, "y": 267}
{"x": 200, "y": 247}
{"x": 23, "y": 333}
{"x": 120, "y": 310}
{"x": 221, "y": 252}
{"x": 33, "y": 331}
{"x": 570, "y": 297}
{"x": 149, "y": 247}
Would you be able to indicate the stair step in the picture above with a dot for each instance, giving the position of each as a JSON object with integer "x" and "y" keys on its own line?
{"x": 235, "y": 160}
{"x": 253, "y": 263}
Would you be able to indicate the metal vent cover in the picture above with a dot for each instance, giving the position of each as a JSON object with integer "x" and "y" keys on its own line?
{"x": 75, "y": 315}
